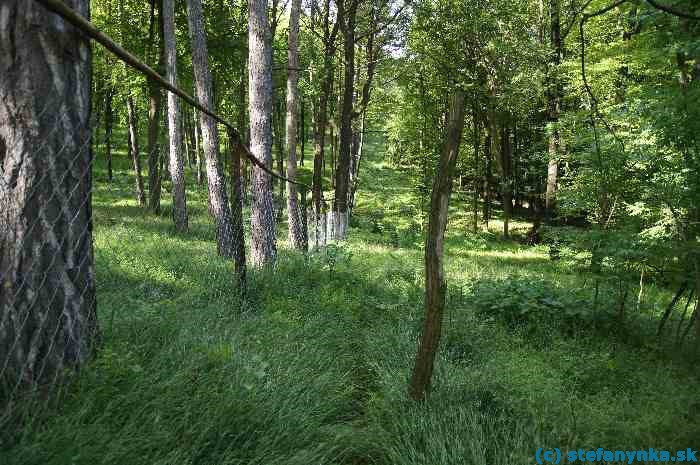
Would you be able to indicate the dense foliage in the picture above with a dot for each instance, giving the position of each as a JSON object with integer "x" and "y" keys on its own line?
{"x": 571, "y": 260}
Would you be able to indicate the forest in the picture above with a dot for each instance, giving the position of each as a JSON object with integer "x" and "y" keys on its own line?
{"x": 391, "y": 232}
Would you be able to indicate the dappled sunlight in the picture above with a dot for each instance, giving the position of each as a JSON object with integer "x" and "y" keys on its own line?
{"x": 517, "y": 181}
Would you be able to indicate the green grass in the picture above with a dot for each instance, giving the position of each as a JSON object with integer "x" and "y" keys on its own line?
{"x": 312, "y": 367}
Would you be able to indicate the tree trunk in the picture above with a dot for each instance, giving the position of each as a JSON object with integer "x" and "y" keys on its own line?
{"x": 237, "y": 208}
{"x": 109, "y": 124}
{"x": 322, "y": 118}
{"x": 134, "y": 150}
{"x": 302, "y": 132}
{"x": 199, "y": 165}
{"x": 476, "y": 128}
{"x": 333, "y": 145}
{"x": 155, "y": 100}
{"x": 242, "y": 117}
{"x": 506, "y": 155}
{"x": 342, "y": 173}
{"x": 435, "y": 285}
{"x": 357, "y": 145}
{"x": 278, "y": 139}
{"x": 294, "y": 224}
{"x": 210, "y": 134}
{"x": 487, "y": 176}
{"x": 186, "y": 138}
{"x": 554, "y": 108}
{"x": 359, "y": 129}
{"x": 98, "y": 98}
{"x": 177, "y": 164}
{"x": 670, "y": 307}
{"x": 48, "y": 320}
{"x": 264, "y": 246}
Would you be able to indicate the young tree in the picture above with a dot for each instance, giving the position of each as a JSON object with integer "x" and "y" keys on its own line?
{"x": 47, "y": 282}
{"x": 296, "y": 236}
{"x": 435, "y": 286}
{"x": 264, "y": 246}
{"x": 177, "y": 165}
{"x": 210, "y": 135}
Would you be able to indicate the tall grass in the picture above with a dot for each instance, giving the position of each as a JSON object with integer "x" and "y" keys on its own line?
{"x": 311, "y": 367}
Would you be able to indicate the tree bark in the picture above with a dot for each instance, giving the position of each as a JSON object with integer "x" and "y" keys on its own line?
{"x": 476, "y": 128}
{"x": 237, "y": 208}
{"x": 554, "y": 107}
{"x": 435, "y": 285}
{"x": 357, "y": 145}
{"x": 342, "y": 173}
{"x": 242, "y": 117}
{"x": 264, "y": 246}
{"x": 333, "y": 139}
{"x": 359, "y": 129}
{"x": 186, "y": 138}
{"x": 109, "y": 123}
{"x": 177, "y": 164}
{"x": 487, "y": 176}
{"x": 210, "y": 134}
{"x": 294, "y": 223}
{"x": 199, "y": 165}
{"x": 302, "y": 135}
{"x": 134, "y": 150}
{"x": 278, "y": 140}
{"x": 506, "y": 158}
{"x": 48, "y": 320}
{"x": 498, "y": 149}
{"x": 155, "y": 100}
{"x": 330, "y": 45}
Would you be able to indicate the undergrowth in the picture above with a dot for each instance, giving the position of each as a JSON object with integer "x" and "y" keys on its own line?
{"x": 311, "y": 367}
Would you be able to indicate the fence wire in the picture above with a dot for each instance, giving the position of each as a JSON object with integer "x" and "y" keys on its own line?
{"x": 48, "y": 322}
{"x": 50, "y": 135}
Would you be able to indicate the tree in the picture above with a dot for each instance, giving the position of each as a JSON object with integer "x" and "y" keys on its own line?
{"x": 48, "y": 320}
{"x": 177, "y": 165}
{"x": 210, "y": 135}
{"x": 347, "y": 16}
{"x": 109, "y": 124}
{"x": 372, "y": 49}
{"x": 264, "y": 246}
{"x": 236, "y": 148}
{"x": 134, "y": 150}
{"x": 296, "y": 235}
{"x": 156, "y": 43}
{"x": 330, "y": 33}
{"x": 435, "y": 285}
{"x": 554, "y": 105}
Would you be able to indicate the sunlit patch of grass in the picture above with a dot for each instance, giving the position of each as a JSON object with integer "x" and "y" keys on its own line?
{"x": 312, "y": 365}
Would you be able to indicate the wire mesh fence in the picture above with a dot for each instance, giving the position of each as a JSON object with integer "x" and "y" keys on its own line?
{"x": 64, "y": 171}
{"x": 48, "y": 322}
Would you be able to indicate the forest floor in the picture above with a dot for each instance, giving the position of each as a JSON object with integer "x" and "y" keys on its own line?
{"x": 312, "y": 367}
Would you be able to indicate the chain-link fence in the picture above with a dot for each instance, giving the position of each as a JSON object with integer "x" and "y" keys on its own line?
{"x": 60, "y": 156}
{"x": 48, "y": 320}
